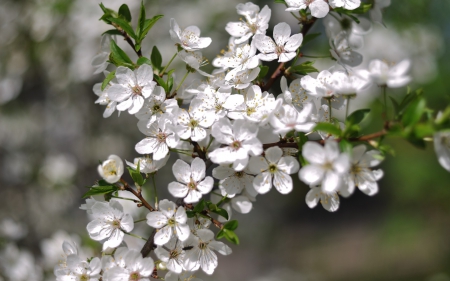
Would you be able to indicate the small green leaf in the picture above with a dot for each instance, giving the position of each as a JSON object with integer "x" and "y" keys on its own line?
{"x": 414, "y": 112}
{"x": 424, "y": 130}
{"x": 136, "y": 175}
{"x": 200, "y": 206}
{"x": 141, "y": 22}
{"x": 211, "y": 206}
{"x": 396, "y": 106}
{"x": 148, "y": 24}
{"x": 108, "y": 79}
{"x": 304, "y": 68}
{"x": 280, "y": 1}
{"x": 143, "y": 60}
{"x": 156, "y": 58}
{"x": 221, "y": 212}
{"x": 124, "y": 12}
{"x": 161, "y": 82}
{"x": 231, "y": 236}
{"x": 190, "y": 214}
{"x": 118, "y": 57}
{"x": 357, "y": 116}
{"x": 124, "y": 25}
{"x": 310, "y": 37}
{"x": 96, "y": 190}
{"x": 362, "y": 9}
{"x": 328, "y": 128}
{"x": 169, "y": 83}
{"x": 263, "y": 72}
{"x": 346, "y": 147}
{"x": 231, "y": 225}
{"x": 220, "y": 234}
{"x": 112, "y": 32}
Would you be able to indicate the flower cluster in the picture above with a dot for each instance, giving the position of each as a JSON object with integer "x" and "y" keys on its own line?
{"x": 254, "y": 137}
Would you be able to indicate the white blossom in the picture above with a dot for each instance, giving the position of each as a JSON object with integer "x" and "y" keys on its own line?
{"x": 329, "y": 200}
{"x": 147, "y": 165}
{"x": 161, "y": 135}
{"x": 109, "y": 223}
{"x": 319, "y": 8}
{"x": 390, "y": 75}
{"x": 130, "y": 266}
{"x": 100, "y": 61}
{"x": 103, "y": 99}
{"x": 342, "y": 51}
{"x": 192, "y": 183}
{"x": 273, "y": 166}
{"x": 442, "y": 148}
{"x": 289, "y": 119}
{"x": 202, "y": 255}
{"x": 132, "y": 88}
{"x": 285, "y": 46}
{"x": 112, "y": 169}
{"x": 240, "y": 140}
{"x": 256, "y": 22}
{"x": 193, "y": 123}
{"x": 188, "y": 38}
{"x": 78, "y": 269}
{"x": 195, "y": 60}
{"x": 169, "y": 220}
{"x": 346, "y": 4}
{"x": 156, "y": 105}
{"x": 172, "y": 254}
{"x": 326, "y": 165}
{"x": 361, "y": 174}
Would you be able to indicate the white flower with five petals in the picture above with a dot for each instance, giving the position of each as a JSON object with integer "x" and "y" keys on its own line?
{"x": 319, "y": 8}
{"x": 169, "y": 220}
{"x": 188, "y": 38}
{"x": 192, "y": 183}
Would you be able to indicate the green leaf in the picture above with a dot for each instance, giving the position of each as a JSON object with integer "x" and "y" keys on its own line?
{"x": 310, "y": 37}
{"x": 328, "y": 128}
{"x": 424, "y": 130}
{"x": 148, "y": 24}
{"x": 95, "y": 190}
{"x": 156, "y": 58}
{"x": 221, "y": 212}
{"x": 190, "y": 214}
{"x": 136, "y": 175}
{"x": 396, "y": 105}
{"x": 169, "y": 83}
{"x": 112, "y": 32}
{"x": 220, "y": 234}
{"x": 417, "y": 142}
{"x": 123, "y": 24}
{"x": 231, "y": 236}
{"x": 200, "y": 206}
{"x": 211, "y": 206}
{"x": 140, "y": 23}
{"x": 263, "y": 72}
{"x": 410, "y": 97}
{"x": 124, "y": 12}
{"x": 280, "y": 2}
{"x": 143, "y": 60}
{"x": 161, "y": 82}
{"x": 108, "y": 79}
{"x": 357, "y": 116}
{"x": 118, "y": 57}
{"x": 231, "y": 225}
{"x": 107, "y": 12}
{"x": 137, "y": 47}
{"x": 346, "y": 147}
{"x": 304, "y": 68}
{"x": 362, "y": 9}
{"x": 414, "y": 112}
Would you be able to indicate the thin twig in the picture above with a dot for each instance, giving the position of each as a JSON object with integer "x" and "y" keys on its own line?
{"x": 128, "y": 39}
{"x": 144, "y": 203}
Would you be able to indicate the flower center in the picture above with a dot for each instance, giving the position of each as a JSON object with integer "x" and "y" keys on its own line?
{"x": 272, "y": 168}
{"x": 356, "y": 169}
{"x": 156, "y": 108}
{"x": 239, "y": 174}
{"x": 193, "y": 123}
{"x": 161, "y": 137}
{"x": 202, "y": 245}
{"x": 279, "y": 50}
{"x": 137, "y": 90}
{"x": 328, "y": 166}
{"x": 236, "y": 145}
{"x": 115, "y": 223}
{"x": 250, "y": 111}
{"x": 110, "y": 169}
{"x": 173, "y": 254}
{"x": 134, "y": 276}
{"x": 171, "y": 222}
{"x": 192, "y": 185}
{"x": 84, "y": 277}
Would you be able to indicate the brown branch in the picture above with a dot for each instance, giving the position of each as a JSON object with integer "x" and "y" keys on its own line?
{"x": 205, "y": 213}
{"x": 281, "y": 67}
{"x": 138, "y": 194}
{"x": 149, "y": 245}
{"x": 128, "y": 39}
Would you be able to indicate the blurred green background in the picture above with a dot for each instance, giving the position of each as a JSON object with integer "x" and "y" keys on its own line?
{"x": 52, "y": 136}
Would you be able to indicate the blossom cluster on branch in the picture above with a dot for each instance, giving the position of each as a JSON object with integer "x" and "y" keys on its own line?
{"x": 234, "y": 126}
